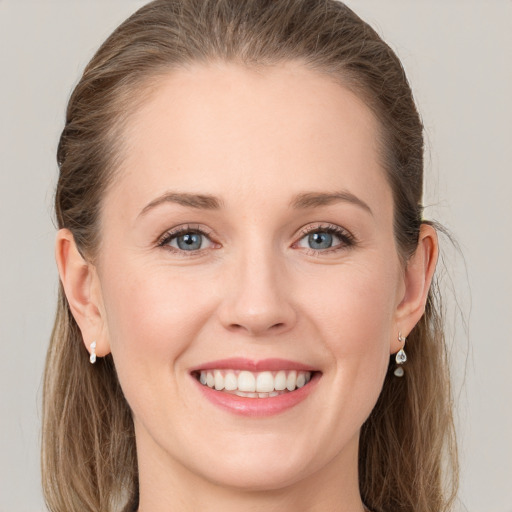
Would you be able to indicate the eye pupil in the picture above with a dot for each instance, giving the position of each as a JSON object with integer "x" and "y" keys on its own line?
{"x": 190, "y": 241}
{"x": 320, "y": 240}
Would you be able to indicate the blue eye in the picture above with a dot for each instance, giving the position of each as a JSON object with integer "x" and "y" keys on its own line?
{"x": 320, "y": 240}
{"x": 186, "y": 240}
{"x": 325, "y": 238}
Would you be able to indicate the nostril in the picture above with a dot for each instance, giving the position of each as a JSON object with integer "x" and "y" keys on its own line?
{"x": 252, "y": 329}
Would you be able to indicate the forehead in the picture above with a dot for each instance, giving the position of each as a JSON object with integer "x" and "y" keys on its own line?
{"x": 266, "y": 131}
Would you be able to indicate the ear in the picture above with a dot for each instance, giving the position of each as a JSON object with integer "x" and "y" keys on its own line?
{"x": 82, "y": 288}
{"x": 417, "y": 279}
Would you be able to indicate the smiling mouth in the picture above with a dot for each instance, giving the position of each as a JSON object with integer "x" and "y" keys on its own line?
{"x": 249, "y": 384}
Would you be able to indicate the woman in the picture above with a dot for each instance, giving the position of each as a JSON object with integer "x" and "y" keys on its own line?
{"x": 242, "y": 258}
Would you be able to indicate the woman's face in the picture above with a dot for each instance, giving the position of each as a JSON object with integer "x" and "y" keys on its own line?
{"x": 247, "y": 241}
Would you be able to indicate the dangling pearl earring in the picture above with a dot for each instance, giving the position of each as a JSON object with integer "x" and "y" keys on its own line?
{"x": 92, "y": 358}
{"x": 400, "y": 357}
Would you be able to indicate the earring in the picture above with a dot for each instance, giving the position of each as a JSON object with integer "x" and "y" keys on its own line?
{"x": 92, "y": 358}
{"x": 400, "y": 357}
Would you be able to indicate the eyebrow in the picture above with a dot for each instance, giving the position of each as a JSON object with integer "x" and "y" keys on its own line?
{"x": 316, "y": 199}
{"x": 301, "y": 201}
{"x": 199, "y": 201}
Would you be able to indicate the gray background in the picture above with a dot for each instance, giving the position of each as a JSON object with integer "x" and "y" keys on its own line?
{"x": 458, "y": 57}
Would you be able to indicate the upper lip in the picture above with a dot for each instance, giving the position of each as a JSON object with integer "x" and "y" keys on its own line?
{"x": 241, "y": 363}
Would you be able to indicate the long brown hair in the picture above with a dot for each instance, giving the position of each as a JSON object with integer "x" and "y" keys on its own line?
{"x": 407, "y": 450}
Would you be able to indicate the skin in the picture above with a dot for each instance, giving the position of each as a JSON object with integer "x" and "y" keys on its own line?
{"x": 255, "y": 140}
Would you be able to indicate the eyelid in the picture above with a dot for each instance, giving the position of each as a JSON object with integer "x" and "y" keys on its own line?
{"x": 346, "y": 237}
{"x": 164, "y": 239}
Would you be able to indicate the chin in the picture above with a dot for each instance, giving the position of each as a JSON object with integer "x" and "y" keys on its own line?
{"x": 258, "y": 476}
{"x": 268, "y": 462}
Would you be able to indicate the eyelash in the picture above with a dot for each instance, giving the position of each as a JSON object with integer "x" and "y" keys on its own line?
{"x": 346, "y": 238}
{"x": 167, "y": 237}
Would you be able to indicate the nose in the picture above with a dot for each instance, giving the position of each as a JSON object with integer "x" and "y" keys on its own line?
{"x": 257, "y": 298}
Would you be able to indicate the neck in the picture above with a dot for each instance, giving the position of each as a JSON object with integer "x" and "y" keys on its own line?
{"x": 166, "y": 484}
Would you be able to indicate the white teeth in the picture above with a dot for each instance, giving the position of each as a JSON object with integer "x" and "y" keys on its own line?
{"x": 219, "y": 380}
{"x": 246, "y": 381}
{"x": 230, "y": 381}
{"x": 301, "y": 380}
{"x": 254, "y": 385}
{"x": 265, "y": 382}
{"x": 291, "y": 380}
{"x": 246, "y": 395}
{"x": 280, "y": 381}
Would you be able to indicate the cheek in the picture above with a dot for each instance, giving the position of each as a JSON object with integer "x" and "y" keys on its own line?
{"x": 148, "y": 300}
{"x": 355, "y": 314}
{"x": 152, "y": 317}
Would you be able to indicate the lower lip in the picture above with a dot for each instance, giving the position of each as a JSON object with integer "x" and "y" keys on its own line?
{"x": 257, "y": 407}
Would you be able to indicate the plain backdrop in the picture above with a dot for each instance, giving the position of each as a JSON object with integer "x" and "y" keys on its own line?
{"x": 458, "y": 56}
